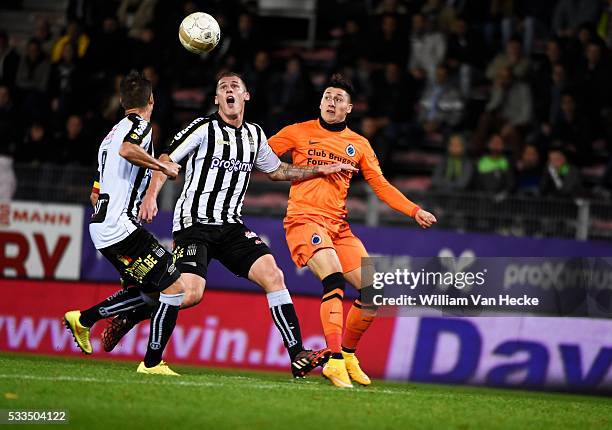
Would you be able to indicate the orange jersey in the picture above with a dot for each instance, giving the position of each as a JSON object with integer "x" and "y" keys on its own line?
{"x": 311, "y": 145}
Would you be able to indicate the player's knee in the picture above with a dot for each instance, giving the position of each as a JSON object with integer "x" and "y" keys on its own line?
{"x": 193, "y": 294}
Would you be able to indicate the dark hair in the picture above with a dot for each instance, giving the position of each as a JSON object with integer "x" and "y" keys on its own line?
{"x": 339, "y": 81}
{"x": 134, "y": 90}
{"x": 230, "y": 75}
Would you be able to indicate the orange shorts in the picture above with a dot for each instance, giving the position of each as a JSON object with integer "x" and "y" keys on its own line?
{"x": 305, "y": 236}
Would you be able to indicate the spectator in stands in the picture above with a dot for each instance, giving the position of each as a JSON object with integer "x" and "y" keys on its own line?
{"x": 441, "y": 13}
{"x": 136, "y": 15}
{"x": 37, "y": 147}
{"x": 8, "y": 122}
{"x": 107, "y": 54}
{"x": 387, "y": 44}
{"x": 66, "y": 83}
{"x": 9, "y": 61}
{"x": 162, "y": 113}
{"x": 427, "y": 48}
{"x": 561, "y": 179}
{"x": 392, "y": 95}
{"x": 74, "y": 146}
{"x": 512, "y": 58}
{"x": 372, "y": 129}
{"x": 74, "y": 36}
{"x": 42, "y": 33}
{"x": 8, "y": 131}
{"x": 572, "y": 130}
{"x": 258, "y": 76}
{"x": 245, "y": 41}
{"x": 351, "y": 43}
{"x": 528, "y": 171}
{"x": 508, "y": 110}
{"x": 495, "y": 172}
{"x": 456, "y": 170}
{"x": 34, "y": 69}
{"x": 441, "y": 107}
{"x": 595, "y": 85}
{"x": 144, "y": 49}
{"x": 463, "y": 55}
{"x": 570, "y": 14}
{"x": 294, "y": 90}
{"x": 112, "y": 110}
{"x": 604, "y": 24}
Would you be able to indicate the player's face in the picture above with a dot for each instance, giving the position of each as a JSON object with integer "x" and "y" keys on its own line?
{"x": 335, "y": 105}
{"x": 231, "y": 95}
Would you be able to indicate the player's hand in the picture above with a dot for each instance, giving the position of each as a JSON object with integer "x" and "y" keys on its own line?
{"x": 425, "y": 219}
{"x": 329, "y": 169}
{"x": 148, "y": 209}
{"x": 170, "y": 169}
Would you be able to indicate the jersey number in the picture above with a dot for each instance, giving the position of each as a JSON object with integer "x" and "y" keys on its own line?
{"x": 103, "y": 163}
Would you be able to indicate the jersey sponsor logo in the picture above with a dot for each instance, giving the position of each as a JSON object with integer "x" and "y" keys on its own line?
{"x": 142, "y": 126}
{"x": 231, "y": 165}
{"x": 181, "y": 133}
{"x": 192, "y": 250}
{"x": 316, "y": 239}
{"x": 250, "y": 234}
{"x": 350, "y": 150}
{"x": 222, "y": 142}
{"x": 134, "y": 136}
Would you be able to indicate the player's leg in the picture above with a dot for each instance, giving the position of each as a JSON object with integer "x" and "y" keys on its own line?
{"x": 191, "y": 258}
{"x": 265, "y": 273}
{"x": 351, "y": 253}
{"x": 246, "y": 255}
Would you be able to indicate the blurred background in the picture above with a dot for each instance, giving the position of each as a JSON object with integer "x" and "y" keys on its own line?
{"x": 494, "y": 115}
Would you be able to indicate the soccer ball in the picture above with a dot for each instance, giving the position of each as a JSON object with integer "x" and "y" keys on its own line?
{"x": 199, "y": 32}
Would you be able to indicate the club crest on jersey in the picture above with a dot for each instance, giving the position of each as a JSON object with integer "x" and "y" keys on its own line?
{"x": 250, "y": 234}
{"x": 125, "y": 259}
{"x": 350, "y": 150}
{"x": 315, "y": 239}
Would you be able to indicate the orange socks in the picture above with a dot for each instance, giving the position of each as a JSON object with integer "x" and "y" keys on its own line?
{"x": 332, "y": 311}
{"x": 358, "y": 320}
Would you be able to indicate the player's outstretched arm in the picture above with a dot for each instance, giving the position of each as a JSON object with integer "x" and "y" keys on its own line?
{"x": 148, "y": 208}
{"x": 396, "y": 200}
{"x": 138, "y": 156}
{"x": 291, "y": 172}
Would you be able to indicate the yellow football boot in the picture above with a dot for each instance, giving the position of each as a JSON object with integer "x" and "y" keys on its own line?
{"x": 335, "y": 371}
{"x": 79, "y": 332}
{"x": 161, "y": 369}
{"x": 353, "y": 369}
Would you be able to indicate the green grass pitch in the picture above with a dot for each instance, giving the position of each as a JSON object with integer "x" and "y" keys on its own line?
{"x": 111, "y": 395}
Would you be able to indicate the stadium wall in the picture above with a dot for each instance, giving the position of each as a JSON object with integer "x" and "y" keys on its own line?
{"x": 234, "y": 329}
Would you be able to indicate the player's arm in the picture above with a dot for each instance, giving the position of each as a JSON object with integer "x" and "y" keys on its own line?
{"x": 182, "y": 144}
{"x": 388, "y": 193}
{"x": 95, "y": 190}
{"x": 268, "y": 162}
{"x": 292, "y": 172}
{"x": 135, "y": 154}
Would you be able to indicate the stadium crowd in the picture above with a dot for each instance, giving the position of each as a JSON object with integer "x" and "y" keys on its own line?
{"x": 510, "y": 96}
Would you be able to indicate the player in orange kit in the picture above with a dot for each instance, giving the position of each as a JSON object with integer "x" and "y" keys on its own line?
{"x": 318, "y": 234}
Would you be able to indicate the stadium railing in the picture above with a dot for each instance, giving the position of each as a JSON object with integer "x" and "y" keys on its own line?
{"x": 514, "y": 215}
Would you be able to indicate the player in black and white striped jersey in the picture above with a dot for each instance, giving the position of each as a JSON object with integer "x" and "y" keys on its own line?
{"x": 125, "y": 161}
{"x": 221, "y": 150}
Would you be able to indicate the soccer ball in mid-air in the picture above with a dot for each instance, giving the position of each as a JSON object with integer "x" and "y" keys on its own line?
{"x": 199, "y": 32}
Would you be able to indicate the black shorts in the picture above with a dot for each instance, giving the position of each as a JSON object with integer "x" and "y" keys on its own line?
{"x": 234, "y": 245}
{"x": 143, "y": 262}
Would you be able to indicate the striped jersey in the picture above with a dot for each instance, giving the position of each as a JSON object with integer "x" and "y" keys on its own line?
{"x": 122, "y": 184}
{"x": 220, "y": 158}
